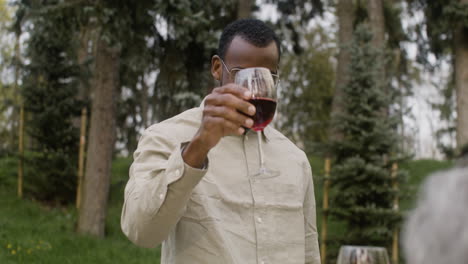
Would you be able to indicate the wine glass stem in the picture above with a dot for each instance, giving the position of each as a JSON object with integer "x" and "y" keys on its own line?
{"x": 260, "y": 151}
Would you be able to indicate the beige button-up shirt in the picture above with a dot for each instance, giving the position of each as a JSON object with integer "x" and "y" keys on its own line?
{"x": 220, "y": 214}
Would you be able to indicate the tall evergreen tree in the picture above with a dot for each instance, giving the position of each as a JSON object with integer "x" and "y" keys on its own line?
{"x": 49, "y": 89}
{"x": 384, "y": 21}
{"x": 362, "y": 194}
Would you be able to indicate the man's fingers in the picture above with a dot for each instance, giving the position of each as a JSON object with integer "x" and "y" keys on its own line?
{"x": 229, "y": 114}
{"x": 234, "y": 89}
{"x": 232, "y": 128}
{"x": 227, "y": 127}
{"x": 230, "y": 100}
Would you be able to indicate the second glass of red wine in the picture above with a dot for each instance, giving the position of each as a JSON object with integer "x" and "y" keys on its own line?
{"x": 261, "y": 83}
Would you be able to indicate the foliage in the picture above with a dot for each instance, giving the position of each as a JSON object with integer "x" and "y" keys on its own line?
{"x": 166, "y": 48}
{"x": 307, "y": 73}
{"x": 8, "y": 170}
{"x": 295, "y": 21}
{"x": 435, "y": 35}
{"x": 193, "y": 29}
{"x": 50, "y": 97}
{"x": 362, "y": 193}
{"x": 45, "y": 176}
{"x": 447, "y": 112}
{"x": 50, "y": 176}
{"x": 306, "y": 92}
{"x": 8, "y": 94}
{"x": 165, "y": 60}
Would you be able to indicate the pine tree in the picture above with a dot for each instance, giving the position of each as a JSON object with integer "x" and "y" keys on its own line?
{"x": 362, "y": 193}
{"x": 49, "y": 90}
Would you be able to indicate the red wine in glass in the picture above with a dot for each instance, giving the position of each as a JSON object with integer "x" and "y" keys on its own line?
{"x": 261, "y": 84}
{"x": 265, "y": 111}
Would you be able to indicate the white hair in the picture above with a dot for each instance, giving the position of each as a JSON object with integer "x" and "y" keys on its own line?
{"x": 436, "y": 231}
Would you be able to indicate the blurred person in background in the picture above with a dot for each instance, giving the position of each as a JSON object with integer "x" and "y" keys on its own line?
{"x": 436, "y": 231}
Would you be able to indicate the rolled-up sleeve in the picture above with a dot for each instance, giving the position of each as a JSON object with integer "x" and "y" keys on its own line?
{"x": 312, "y": 253}
{"x": 158, "y": 190}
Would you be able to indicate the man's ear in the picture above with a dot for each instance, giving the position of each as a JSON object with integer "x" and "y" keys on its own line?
{"x": 216, "y": 68}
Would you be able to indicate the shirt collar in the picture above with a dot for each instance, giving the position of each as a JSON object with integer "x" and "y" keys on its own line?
{"x": 267, "y": 132}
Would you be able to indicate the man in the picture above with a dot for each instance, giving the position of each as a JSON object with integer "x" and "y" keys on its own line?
{"x": 191, "y": 185}
{"x": 436, "y": 231}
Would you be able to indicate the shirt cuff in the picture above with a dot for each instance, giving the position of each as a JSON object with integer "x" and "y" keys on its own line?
{"x": 178, "y": 170}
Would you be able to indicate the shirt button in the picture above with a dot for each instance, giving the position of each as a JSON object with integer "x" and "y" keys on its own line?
{"x": 259, "y": 219}
{"x": 263, "y": 262}
{"x": 161, "y": 196}
{"x": 177, "y": 172}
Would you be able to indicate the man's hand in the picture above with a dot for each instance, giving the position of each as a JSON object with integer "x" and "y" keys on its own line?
{"x": 226, "y": 112}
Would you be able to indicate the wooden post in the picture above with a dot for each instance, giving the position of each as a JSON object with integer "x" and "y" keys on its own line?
{"x": 20, "y": 152}
{"x": 81, "y": 155}
{"x": 396, "y": 208}
{"x": 326, "y": 187}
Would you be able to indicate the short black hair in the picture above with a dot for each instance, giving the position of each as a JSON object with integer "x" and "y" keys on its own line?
{"x": 253, "y": 31}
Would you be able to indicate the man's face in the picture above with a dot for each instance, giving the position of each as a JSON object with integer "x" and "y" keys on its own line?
{"x": 241, "y": 54}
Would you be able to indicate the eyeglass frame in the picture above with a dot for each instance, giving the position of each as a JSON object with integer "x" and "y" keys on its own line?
{"x": 274, "y": 75}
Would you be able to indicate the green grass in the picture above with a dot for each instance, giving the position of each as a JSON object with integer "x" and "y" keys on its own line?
{"x": 418, "y": 170}
{"x": 33, "y": 233}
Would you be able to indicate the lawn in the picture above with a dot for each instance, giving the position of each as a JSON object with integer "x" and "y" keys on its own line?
{"x": 34, "y": 233}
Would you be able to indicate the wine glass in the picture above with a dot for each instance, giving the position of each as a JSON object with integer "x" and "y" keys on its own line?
{"x": 262, "y": 83}
{"x": 362, "y": 254}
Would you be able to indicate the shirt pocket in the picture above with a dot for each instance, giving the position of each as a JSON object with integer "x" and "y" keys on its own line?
{"x": 286, "y": 190}
{"x": 203, "y": 203}
{"x": 281, "y": 200}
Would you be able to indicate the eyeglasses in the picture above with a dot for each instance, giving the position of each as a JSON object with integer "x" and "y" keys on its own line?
{"x": 235, "y": 70}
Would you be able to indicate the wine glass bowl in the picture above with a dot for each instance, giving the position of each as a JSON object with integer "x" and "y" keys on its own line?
{"x": 261, "y": 83}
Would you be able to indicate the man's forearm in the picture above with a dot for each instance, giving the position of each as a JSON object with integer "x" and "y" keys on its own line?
{"x": 196, "y": 152}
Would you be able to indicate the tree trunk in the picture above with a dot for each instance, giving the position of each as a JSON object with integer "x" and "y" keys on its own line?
{"x": 93, "y": 210}
{"x": 244, "y": 8}
{"x": 461, "y": 82}
{"x": 377, "y": 22}
{"x": 346, "y": 15}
